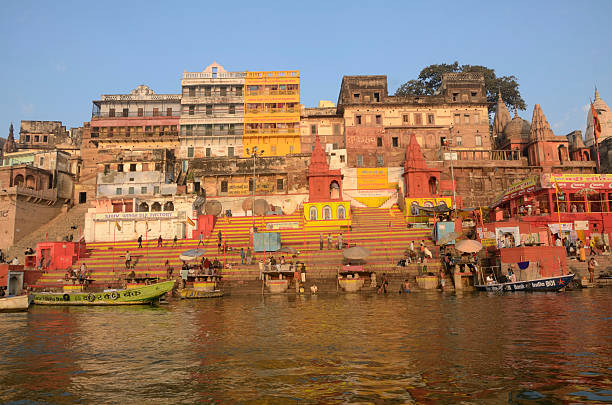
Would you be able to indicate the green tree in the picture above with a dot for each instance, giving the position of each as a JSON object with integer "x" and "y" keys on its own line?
{"x": 430, "y": 80}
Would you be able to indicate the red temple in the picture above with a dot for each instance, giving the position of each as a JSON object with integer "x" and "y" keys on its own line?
{"x": 419, "y": 179}
{"x": 323, "y": 184}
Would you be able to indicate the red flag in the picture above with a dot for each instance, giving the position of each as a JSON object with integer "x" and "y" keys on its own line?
{"x": 596, "y": 123}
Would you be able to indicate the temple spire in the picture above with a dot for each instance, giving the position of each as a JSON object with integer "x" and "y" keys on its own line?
{"x": 318, "y": 159}
{"x": 502, "y": 116}
{"x": 9, "y": 145}
{"x": 540, "y": 128}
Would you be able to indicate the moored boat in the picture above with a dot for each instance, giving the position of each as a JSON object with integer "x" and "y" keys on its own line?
{"x": 16, "y": 303}
{"x": 539, "y": 284}
{"x": 202, "y": 286}
{"x": 145, "y": 294}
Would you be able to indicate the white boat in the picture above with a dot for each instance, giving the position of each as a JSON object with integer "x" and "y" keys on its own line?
{"x": 16, "y": 303}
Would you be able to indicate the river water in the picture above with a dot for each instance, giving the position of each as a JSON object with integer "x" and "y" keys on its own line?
{"x": 417, "y": 348}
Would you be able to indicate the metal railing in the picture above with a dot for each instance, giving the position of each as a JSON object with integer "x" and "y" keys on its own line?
{"x": 480, "y": 154}
{"x": 272, "y": 92}
{"x": 145, "y": 114}
{"x": 291, "y": 110}
{"x": 286, "y": 131}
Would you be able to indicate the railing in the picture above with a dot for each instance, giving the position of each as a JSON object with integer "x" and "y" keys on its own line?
{"x": 236, "y": 132}
{"x": 291, "y": 110}
{"x": 478, "y": 154}
{"x": 272, "y": 92}
{"x": 210, "y": 75}
{"x": 145, "y": 114}
{"x": 286, "y": 131}
{"x": 137, "y": 135}
{"x": 203, "y": 114}
{"x": 203, "y": 98}
{"x": 140, "y": 97}
{"x": 49, "y": 194}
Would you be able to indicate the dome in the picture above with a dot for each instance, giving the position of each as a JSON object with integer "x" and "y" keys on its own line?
{"x": 599, "y": 104}
{"x": 517, "y": 128}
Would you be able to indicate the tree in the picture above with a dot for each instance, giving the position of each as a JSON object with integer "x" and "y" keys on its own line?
{"x": 430, "y": 80}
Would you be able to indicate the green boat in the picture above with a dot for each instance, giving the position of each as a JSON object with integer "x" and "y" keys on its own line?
{"x": 132, "y": 296}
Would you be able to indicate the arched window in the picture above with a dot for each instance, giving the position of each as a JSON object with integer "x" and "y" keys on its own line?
{"x": 18, "y": 181}
{"x": 169, "y": 206}
{"x": 312, "y": 213}
{"x": 586, "y": 155}
{"x": 156, "y": 207}
{"x": 327, "y": 212}
{"x": 334, "y": 189}
{"x": 30, "y": 182}
{"x": 143, "y": 207}
{"x": 341, "y": 213}
{"x": 562, "y": 153}
{"x": 433, "y": 185}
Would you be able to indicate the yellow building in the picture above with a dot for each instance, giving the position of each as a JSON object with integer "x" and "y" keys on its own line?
{"x": 272, "y": 112}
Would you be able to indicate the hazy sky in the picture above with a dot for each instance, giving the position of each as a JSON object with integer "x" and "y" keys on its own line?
{"x": 58, "y": 56}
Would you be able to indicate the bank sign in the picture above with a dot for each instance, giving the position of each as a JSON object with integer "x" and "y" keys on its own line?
{"x": 134, "y": 216}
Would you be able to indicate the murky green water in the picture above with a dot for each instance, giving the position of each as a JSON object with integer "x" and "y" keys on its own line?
{"x": 426, "y": 348}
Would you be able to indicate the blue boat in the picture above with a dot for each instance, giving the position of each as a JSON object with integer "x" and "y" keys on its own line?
{"x": 538, "y": 284}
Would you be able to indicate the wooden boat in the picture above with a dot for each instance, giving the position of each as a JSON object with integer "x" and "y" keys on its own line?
{"x": 145, "y": 294}
{"x": 539, "y": 284}
{"x": 189, "y": 293}
{"x": 204, "y": 286}
{"x": 15, "y": 303}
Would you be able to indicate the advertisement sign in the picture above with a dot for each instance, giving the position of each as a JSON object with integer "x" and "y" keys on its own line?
{"x": 238, "y": 188}
{"x": 134, "y": 216}
{"x": 517, "y": 189}
{"x": 372, "y": 178}
{"x": 412, "y": 204}
{"x": 575, "y": 182}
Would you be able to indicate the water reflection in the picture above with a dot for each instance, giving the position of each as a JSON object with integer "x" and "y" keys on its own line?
{"x": 425, "y": 348}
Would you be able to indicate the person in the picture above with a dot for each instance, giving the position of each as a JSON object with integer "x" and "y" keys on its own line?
{"x": 169, "y": 269}
{"x": 321, "y": 241}
{"x": 511, "y": 275}
{"x": 593, "y": 252}
{"x": 261, "y": 269}
{"x": 184, "y": 273}
{"x": 273, "y": 264}
{"x": 160, "y": 242}
{"x": 340, "y": 241}
{"x": 219, "y": 246}
{"x": 329, "y": 241}
{"x": 442, "y": 280}
{"x": 558, "y": 242}
{"x": 581, "y": 251}
{"x": 422, "y": 251}
{"x": 225, "y": 246}
{"x": 140, "y": 241}
{"x": 175, "y": 241}
{"x": 28, "y": 251}
{"x": 216, "y": 264}
{"x": 219, "y": 236}
{"x": 249, "y": 256}
{"x": 427, "y": 253}
{"x": 200, "y": 241}
{"x": 302, "y": 272}
{"x": 1, "y": 256}
{"x": 591, "y": 268}
{"x": 314, "y": 289}
{"x": 83, "y": 270}
{"x": 241, "y": 255}
{"x": 384, "y": 283}
{"x": 489, "y": 279}
{"x": 128, "y": 259}
{"x": 405, "y": 287}
{"x": 40, "y": 263}
{"x": 207, "y": 264}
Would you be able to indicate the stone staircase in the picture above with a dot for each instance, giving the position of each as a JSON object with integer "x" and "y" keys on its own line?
{"x": 604, "y": 265}
{"x": 55, "y": 230}
{"x": 371, "y": 230}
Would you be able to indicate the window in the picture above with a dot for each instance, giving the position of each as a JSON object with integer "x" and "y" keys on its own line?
{"x": 169, "y": 112}
{"x": 230, "y": 151}
{"x": 458, "y": 140}
{"x": 250, "y": 185}
{"x": 156, "y": 112}
{"x": 224, "y": 186}
{"x": 209, "y": 109}
{"x": 327, "y": 212}
{"x": 377, "y": 97}
{"x": 132, "y": 167}
{"x": 126, "y": 112}
{"x": 478, "y": 140}
{"x": 395, "y": 141}
{"x": 280, "y": 184}
{"x": 380, "y": 161}
{"x": 155, "y": 189}
{"x": 457, "y": 118}
{"x": 430, "y": 119}
{"x": 45, "y": 138}
{"x": 207, "y": 91}
{"x": 111, "y": 112}
{"x": 418, "y": 119}
{"x": 357, "y": 119}
{"x": 336, "y": 129}
{"x": 232, "y": 109}
{"x": 356, "y": 96}
{"x": 191, "y": 91}
{"x": 190, "y": 152}
{"x": 466, "y": 118}
{"x": 230, "y": 129}
{"x": 192, "y": 110}
{"x": 239, "y": 91}
{"x": 140, "y": 111}
{"x": 379, "y": 142}
{"x": 223, "y": 90}
{"x": 120, "y": 167}
{"x": 118, "y": 191}
{"x": 106, "y": 169}
{"x": 476, "y": 119}
{"x": 214, "y": 73}
{"x": 313, "y": 129}
{"x": 455, "y": 96}
{"x": 378, "y": 119}
{"x": 188, "y": 130}
{"x": 335, "y": 146}
{"x": 340, "y": 212}
{"x": 359, "y": 160}
{"x": 342, "y": 158}
{"x": 131, "y": 190}
{"x": 143, "y": 190}
{"x": 474, "y": 94}
{"x": 312, "y": 213}
{"x": 158, "y": 167}
{"x": 27, "y": 138}
{"x": 406, "y": 118}
{"x": 207, "y": 152}
{"x": 36, "y": 138}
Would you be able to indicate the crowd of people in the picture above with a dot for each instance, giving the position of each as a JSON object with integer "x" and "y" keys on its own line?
{"x": 330, "y": 241}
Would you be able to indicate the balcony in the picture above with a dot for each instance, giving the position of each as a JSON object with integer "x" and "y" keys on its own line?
{"x": 213, "y": 99}
{"x": 264, "y": 92}
{"x": 135, "y": 114}
{"x": 273, "y": 131}
{"x": 213, "y": 133}
{"x": 37, "y": 195}
{"x": 271, "y": 110}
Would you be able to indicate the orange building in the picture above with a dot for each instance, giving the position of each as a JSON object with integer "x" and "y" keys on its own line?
{"x": 272, "y": 112}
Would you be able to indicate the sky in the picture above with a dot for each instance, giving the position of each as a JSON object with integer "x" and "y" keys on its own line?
{"x": 58, "y": 56}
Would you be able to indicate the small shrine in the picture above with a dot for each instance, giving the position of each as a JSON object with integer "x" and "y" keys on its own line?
{"x": 325, "y": 206}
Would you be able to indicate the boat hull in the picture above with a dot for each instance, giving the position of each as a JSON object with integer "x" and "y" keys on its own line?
{"x": 15, "y": 304}
{"x": 197, "y": 294}
{"x": 145, "y": 294}
{"x": 540, "y": 284}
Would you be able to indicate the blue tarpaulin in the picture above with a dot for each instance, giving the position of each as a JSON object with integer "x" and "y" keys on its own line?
{"x": 268, "y": 242}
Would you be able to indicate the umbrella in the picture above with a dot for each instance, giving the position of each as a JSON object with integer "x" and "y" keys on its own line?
{"x": 468, "y": 246}
{"x": 287, "y": 249}
{"x": 356, "y": 253}
{"x": 448, "y": 238}
{"x": 192, "y": 254}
